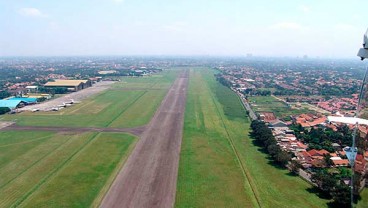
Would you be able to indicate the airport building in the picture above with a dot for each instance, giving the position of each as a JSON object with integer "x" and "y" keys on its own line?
{"x": 12, "y": 104}
{"x": 71, "y": 85}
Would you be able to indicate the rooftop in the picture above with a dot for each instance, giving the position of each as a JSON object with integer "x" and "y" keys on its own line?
{"x": 60, "y": 83}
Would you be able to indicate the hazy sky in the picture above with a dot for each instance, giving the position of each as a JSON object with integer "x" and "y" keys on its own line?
{"x": 325, "y": 28}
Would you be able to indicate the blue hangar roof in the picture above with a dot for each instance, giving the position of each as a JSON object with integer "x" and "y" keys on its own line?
{"x": 24, "y": 99}
{"x": 9, "y": 103}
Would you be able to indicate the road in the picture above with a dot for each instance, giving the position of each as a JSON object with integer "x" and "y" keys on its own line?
{"x": 252, "y": 115}
{"x": 148, "y": 178}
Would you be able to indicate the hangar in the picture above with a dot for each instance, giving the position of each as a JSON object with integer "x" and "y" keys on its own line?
{"x": 72, "y": 85}
{"x": 11, "y": 104}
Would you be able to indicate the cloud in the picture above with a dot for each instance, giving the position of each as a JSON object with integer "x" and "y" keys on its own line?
{"x": 287, "y": 26}
{"x": 31, "y": 12}
{"x": 304, "y": 8}
{"x": 118, "y": 1}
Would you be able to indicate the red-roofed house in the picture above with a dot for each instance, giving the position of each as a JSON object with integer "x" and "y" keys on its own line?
{"x": 360, "y": 164}
{"x": 318, "y": 153}
{"x": 339, "y": 163}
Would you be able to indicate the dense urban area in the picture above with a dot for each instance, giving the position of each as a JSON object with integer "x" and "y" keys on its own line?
{"x": 287, "y": 101}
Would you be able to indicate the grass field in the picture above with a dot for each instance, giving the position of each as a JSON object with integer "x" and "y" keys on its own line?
{"x": 49, "y": 169}
{"x": 363, "y": 203}
{"x": 219, "y": 164}
{"x": 131, "y": 102}
{"x": 271, "y": 104}
{"x": 58, "y": 170}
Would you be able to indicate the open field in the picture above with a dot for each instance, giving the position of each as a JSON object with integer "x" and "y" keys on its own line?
{"x": 219, "y": 164}
{"x": 271, "y": 104}
{"x": 57, "y": 170}
{"x": 74, "y": 164}
{"x": 119, "y": 107}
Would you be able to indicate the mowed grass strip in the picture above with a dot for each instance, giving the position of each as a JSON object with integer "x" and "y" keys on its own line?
{"x": 161, "y": 80}
{"x": 18, "y": 162}
{"x": 14, "y": 144}
{"x": 142, "y": 111}
{"x": 25, "y": 183}
{"x": 274, "y": 187}
{"x": 209, "y": 174}
{"x": 80, "y": 181}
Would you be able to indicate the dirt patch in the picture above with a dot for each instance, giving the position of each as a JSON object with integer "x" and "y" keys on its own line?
{"x": 5, "y": 124}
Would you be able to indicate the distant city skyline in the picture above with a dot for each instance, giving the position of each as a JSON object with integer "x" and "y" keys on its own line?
{"x": 326, "y": 29}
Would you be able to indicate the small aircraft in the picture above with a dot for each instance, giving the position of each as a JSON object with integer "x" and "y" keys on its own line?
{"x": 72, "y": 101}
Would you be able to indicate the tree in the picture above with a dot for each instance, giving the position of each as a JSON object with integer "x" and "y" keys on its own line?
{"x": 4, "y": 110}
{"x": 324, "y": 180}
{"x": 273, "y": 149}
{"x": 4, "y": 94}
{"x": 295, "y": 166}
{"x": 282, "y": 157}
{"x": 328, "y": 161}
{"x": 341, "y": 195}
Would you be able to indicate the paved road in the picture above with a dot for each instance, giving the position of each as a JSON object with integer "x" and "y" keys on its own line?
{"x": 136, "y": 131}
{"x": 252, "y": 115}
{"x": 148, "y": 179}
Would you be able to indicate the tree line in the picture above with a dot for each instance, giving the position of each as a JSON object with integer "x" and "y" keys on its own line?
{"x": 263, "y": 135}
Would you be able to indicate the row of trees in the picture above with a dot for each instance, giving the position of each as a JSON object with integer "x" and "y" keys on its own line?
{"x": 263, "y": 135}
{"x": 332, "y": 185}
{"x": 222, "y": 80}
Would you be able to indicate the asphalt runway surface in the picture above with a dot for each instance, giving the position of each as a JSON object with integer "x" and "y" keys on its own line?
{"x": 148, "y": 178}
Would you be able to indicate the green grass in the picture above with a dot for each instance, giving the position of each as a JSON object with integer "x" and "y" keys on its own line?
{"x": 209, "y": 174}
{"x": 219, "y": 164}
{"x": 271, "y": 104}
{"x": 70, "y": 163}
{"x": 363, "y": 203}
{"x": 229, "y": 102}
{"x": 129, "y": 103}
{"x": 142, "y": 111}
{"x": 156, "y": 81}
{"x": 15, "y": 144}
{"x": 47, "y": 169}
{"x": 80, "y": 181}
